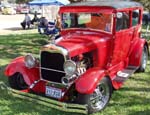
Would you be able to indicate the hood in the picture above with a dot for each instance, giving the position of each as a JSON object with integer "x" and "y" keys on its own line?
{"x": 81, "y": 42}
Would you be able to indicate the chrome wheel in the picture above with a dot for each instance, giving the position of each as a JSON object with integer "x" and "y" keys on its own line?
{"x": 100, "y": 97}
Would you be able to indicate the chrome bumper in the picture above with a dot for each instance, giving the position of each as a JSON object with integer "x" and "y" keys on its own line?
{"x": 67, "y": 107}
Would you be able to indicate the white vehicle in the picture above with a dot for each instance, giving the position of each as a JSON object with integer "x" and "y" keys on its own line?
{"x": 8, "y": 10}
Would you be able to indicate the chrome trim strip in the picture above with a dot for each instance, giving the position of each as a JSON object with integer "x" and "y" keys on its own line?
{"x": 58, "y": 85}
{"x": 51, "y": 69}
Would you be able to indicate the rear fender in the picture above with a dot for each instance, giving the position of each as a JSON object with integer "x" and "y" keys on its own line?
{"x": 87, "y": 83}
{"x": 18, "y": 65}
{"x": 136, "y": 54}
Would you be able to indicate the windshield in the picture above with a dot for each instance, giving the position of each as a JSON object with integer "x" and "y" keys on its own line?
{"x": 96, "y": 21}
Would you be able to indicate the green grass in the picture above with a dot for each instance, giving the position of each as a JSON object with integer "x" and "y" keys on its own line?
{"x": 146, "y": 34}
{"x": 132, "y": 99}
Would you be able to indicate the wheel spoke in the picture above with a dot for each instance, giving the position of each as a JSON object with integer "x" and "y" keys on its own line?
{"x": 95, "y": 98}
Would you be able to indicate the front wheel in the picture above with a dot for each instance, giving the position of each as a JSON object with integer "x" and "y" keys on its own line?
{"x": 99, "y": 99}
{"x": 16, "y": 81}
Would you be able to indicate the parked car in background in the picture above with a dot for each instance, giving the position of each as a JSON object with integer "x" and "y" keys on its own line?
{"x": 24, "y": 9}
{"x": 99, "y": 48}
{"x": 18, "y": 9}
{"x": 7, "y": 9}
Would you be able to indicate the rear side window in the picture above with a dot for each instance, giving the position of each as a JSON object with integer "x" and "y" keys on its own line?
{"x": 135, "y": 17}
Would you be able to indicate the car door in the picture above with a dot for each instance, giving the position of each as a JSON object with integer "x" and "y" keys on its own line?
{"x": 123, "y": 37}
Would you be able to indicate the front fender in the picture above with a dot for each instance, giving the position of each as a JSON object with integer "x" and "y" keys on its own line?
{"x": 18, "y": 65}
{"x": 87, "y": 83}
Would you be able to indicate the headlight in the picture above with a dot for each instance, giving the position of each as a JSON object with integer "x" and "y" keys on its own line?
{"x": 30, "y": 61}
{"x": 69, "y": 67}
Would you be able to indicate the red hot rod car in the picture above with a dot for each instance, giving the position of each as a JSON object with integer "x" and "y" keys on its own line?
{"x": 99, "y": 48}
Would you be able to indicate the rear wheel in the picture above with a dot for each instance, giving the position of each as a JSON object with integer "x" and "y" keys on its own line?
{"x": 99, "y": 99}
{"x": 16, "y": 81}
{"x": 144, "y": 60}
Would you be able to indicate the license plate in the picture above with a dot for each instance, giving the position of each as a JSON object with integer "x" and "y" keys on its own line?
{"x": 53, "y": 92}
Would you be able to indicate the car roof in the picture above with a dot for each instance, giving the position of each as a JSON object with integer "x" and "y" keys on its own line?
{"x": 116, "y": 4}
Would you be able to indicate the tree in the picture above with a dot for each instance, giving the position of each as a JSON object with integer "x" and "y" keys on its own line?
{"x": 145, "y": 3}
{"x": 23, "y": 1}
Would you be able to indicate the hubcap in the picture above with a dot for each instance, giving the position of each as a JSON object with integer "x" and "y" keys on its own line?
{"x": 100, "y": 97}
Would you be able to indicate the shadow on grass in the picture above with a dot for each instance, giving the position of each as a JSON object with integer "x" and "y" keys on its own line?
{"x": 146, "y": 112}
{"x": 126, "y": 100}
{"x": 10, "y": 105}
{"x": 14, "y": 29}
{"x": 18, "y": 29}
{"x": 136, "y": 89}
{"x": 2, "y": 76}
{"x": 16, "y": 45}
{"x": 141, "y": 79}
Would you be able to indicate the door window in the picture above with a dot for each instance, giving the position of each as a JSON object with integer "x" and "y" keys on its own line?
{"x": 122, "y": 21}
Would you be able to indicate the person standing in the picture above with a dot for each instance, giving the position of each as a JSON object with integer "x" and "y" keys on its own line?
{"x": 26, "y": 21}
{"x": 43, "y": 25}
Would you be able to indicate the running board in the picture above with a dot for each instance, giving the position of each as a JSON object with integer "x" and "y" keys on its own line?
{"x": 125, "y": 74}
